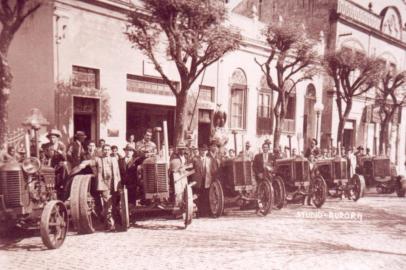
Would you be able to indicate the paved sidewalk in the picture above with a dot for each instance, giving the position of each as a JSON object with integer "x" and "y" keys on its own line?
{"x": 369, "y": 234}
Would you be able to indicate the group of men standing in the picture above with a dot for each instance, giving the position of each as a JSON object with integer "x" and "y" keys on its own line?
{"x": 110, "y": 169}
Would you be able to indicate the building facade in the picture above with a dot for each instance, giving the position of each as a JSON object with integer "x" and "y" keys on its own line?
{"x": 374, "y": 28}
{"x": 73, "y": 62}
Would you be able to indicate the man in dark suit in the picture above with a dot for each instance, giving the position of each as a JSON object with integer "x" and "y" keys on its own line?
{"x": 197, "y": 162}
{"x": 127, "y": 163}
{"x": 313, "y": 149}
{"x": 128, "y": 171}
{"x": 260, "y": 160}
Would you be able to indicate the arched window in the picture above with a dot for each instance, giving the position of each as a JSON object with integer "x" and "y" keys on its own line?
{"x": 264, "y": 108}
{"x": 311, "y": 91}
{"x": 238, "y": 101}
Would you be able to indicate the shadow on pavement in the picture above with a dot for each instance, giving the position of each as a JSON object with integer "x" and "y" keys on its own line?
{"x": 158, "y": 227}
{"x": 10, "y": 240}
{"x": 325, "y": 247}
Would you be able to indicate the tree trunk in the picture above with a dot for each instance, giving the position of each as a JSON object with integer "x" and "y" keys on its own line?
{"x": 278, "y": 132}
{"x": 5, "y": 86}
{"x": 279, "y": 113}
{"x": 341, "y": 124}
{"x": 180, "y": 117}
{"x": 340, "y": 132}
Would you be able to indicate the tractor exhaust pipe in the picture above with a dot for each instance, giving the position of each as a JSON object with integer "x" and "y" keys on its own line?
{"x": 235, "y": 141}
{"x": 166, "y": 143}
{"x": 158, "y": 130}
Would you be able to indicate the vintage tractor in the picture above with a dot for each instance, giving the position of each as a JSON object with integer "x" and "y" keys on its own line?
{"x": 28, "y": 197}
{"x": 165, "y": 185}
{"x": 339, "y": 183}
{"x": 235, "y": 181}
{"x": 299, "y": 181}
{"x": 234, "y": 184}
{"x": 378, "y": 171}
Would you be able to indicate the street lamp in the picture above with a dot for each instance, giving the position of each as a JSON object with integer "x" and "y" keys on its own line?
{"x": 318, "y": 108}
{"x": 34, "y": 122}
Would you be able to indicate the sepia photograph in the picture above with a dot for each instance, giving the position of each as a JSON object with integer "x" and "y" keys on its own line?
{"x": 202, "y": 134}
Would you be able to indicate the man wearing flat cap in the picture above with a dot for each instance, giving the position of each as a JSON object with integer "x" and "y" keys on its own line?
{"x": 75, "y": 149}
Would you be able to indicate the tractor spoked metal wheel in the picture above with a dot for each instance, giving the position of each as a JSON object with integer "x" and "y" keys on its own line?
{"x": 54, "y": 224}
{"x": 279, "y": 192}
{"x": 357, "y": 191}
{"x": 319, "y": 191}
{"x": 265, "y": 197}
{"x": 188, "y": 203}
{"x": 216, "y": 199}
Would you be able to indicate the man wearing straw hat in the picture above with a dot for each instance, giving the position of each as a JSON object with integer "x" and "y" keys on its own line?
{"x": 54, "y": 143}
{"x": 55, "y": 156}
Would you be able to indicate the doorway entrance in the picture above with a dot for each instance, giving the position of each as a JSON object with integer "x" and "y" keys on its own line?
{"x": 204, "y": 127}
{"x": 85, "y": 116}
{"x": 143, "y": 116}
{"x": 349, "y": 134}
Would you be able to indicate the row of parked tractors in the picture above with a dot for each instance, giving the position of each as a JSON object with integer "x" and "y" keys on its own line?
{"x": 28, "y": 196}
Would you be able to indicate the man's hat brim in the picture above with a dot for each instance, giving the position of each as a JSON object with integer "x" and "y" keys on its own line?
{"x": 55, "y": 132}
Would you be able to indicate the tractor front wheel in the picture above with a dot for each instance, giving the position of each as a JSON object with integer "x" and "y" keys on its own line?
{"x": 54, "y": 224}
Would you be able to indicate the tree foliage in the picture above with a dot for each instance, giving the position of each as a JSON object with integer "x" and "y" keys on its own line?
{"x": 391, "y": 96}
{"x": 353, "y": 74}
{"x": 193, "y": 35}
{"x": 13, "y": 13}
{"x": 293, "y": 57}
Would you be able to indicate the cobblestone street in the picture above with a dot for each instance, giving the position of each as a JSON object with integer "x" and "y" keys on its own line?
{"x": 369, "y": 234}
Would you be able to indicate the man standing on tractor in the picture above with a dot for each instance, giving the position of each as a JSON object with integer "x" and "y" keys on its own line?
{"x": 54, "y": 144}
{"x": 146, "y": 145}
{"x": 55, "y": 156}
{"x": 313, "y": 149}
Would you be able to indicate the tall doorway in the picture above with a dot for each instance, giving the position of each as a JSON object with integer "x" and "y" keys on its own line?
{"x": 204, "y": 127}
{"x": 142, "y": 116}
{"x": 85, "y": 116}
{"x": 309, "y": 125}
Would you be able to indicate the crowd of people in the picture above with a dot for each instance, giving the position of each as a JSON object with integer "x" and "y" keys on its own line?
{"x": 113, "y": 169}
